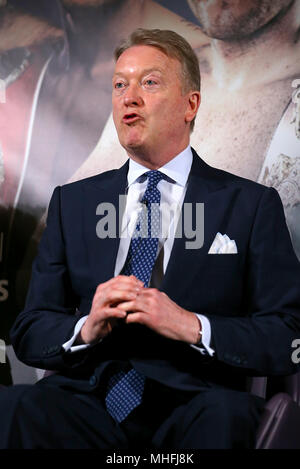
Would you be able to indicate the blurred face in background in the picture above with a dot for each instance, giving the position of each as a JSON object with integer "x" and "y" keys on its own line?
{"x": 87, "y": 3}
{"x": 221, "y": 19}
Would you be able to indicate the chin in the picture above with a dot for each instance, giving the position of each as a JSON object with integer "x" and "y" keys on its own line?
{"x": 131, "y": 143}
{"x": 132, "y": 146}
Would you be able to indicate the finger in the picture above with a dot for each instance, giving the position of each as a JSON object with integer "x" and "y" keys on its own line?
{"x": 116, "y": 296}
{"x": 125, "y": 280}
{"x": 108, "y": 313}
{"x": 124, "y": 283}
{"x": 122, "y": 280}
{"x": 137, "y": 317}
{"x": 111, "y": 296}
{"x": 129, "y": 306}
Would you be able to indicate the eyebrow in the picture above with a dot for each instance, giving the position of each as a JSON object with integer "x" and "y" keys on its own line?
{"x": 144, "y": 72}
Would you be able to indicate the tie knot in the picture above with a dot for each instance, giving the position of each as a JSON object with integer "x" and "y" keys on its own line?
{"x": 154, "y": 176}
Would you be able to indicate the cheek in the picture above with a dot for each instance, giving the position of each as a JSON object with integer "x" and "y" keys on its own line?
{"x": 170, "y": 107}
{"x": 169, "y": 122}
{"x": 176, "y": 111}
{"x": 116, "y": 113}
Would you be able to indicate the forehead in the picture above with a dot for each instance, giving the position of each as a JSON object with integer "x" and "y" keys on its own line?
{"x": 142, "y": 57}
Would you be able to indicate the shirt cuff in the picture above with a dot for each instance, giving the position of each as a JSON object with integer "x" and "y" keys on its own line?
{"x": 68, "y": 345}
{"x": 204, "y": 348}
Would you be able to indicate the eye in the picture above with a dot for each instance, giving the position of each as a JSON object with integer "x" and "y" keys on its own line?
{"x": 118, "y": 85}
{"x": 150, "y": 82}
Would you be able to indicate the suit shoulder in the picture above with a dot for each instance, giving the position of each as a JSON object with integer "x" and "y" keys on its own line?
{"x": 90, "y": 181}
{"x": 210, "y": 173}
{"x": 241, "y": 181}
{"x": 236, "y": 181}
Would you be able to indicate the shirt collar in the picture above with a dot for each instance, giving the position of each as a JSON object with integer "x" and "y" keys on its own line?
{"x": 177, "y": 169}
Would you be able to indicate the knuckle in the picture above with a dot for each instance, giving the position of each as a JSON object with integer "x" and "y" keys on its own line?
{"x": 155, "y": 294}
{"x": 139, "y": 317}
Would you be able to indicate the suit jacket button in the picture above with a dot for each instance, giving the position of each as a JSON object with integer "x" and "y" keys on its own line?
{"x": 93, "y": 380}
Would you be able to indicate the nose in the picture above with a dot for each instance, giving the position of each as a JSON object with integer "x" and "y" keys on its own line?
{"x": 133, "y": 96}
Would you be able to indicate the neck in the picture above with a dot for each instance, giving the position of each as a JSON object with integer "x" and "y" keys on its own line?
{"x": 156, "y": 159}
{"x": 233, "y": 60}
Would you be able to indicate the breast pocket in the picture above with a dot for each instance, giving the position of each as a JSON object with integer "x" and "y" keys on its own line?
{"x": 225, "y": 276}
{"x": 223, "y": 262}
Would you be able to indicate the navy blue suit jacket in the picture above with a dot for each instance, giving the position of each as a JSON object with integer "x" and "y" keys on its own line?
{"x": 252, "y": 298}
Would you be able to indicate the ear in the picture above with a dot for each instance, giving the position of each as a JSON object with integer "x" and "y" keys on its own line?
{"x": 194, "y": 99}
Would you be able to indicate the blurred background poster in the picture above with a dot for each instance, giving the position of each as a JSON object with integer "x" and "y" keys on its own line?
{"x": 56, "y": 64}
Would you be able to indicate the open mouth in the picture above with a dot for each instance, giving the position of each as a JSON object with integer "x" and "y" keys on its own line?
{"x": 130, "y": 118}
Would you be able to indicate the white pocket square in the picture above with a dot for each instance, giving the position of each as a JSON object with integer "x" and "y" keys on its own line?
{"x": 222, "y": 244}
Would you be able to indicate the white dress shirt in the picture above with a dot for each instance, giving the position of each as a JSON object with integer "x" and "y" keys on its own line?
{"x": 172, "y": 190}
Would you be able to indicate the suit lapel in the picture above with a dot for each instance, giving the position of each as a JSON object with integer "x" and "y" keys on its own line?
{"x": 102, "y": 252}
{"x": 203, "y": 187}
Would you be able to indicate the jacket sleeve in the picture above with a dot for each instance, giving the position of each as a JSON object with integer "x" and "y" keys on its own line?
{"x": 50, "y": 313}
{"x": 261, "y": 341}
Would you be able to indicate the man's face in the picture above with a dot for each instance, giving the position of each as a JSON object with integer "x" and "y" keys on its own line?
{"x": 149, "y": 108}
{"x": 231, "y": 19}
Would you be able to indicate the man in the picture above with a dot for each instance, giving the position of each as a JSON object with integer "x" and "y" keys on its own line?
{"x": 74, "y": 65}
{"x": 164, "y": 366}
{"x": 249, "y": 70}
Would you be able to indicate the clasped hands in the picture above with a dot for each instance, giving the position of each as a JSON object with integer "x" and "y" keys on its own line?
{"x": 121, "y": 295}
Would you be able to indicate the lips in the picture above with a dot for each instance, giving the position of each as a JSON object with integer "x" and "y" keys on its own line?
{"x": 131, "y": 117}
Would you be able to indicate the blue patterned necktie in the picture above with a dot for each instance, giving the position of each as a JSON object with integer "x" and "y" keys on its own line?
{"x": 125, "y": 388}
